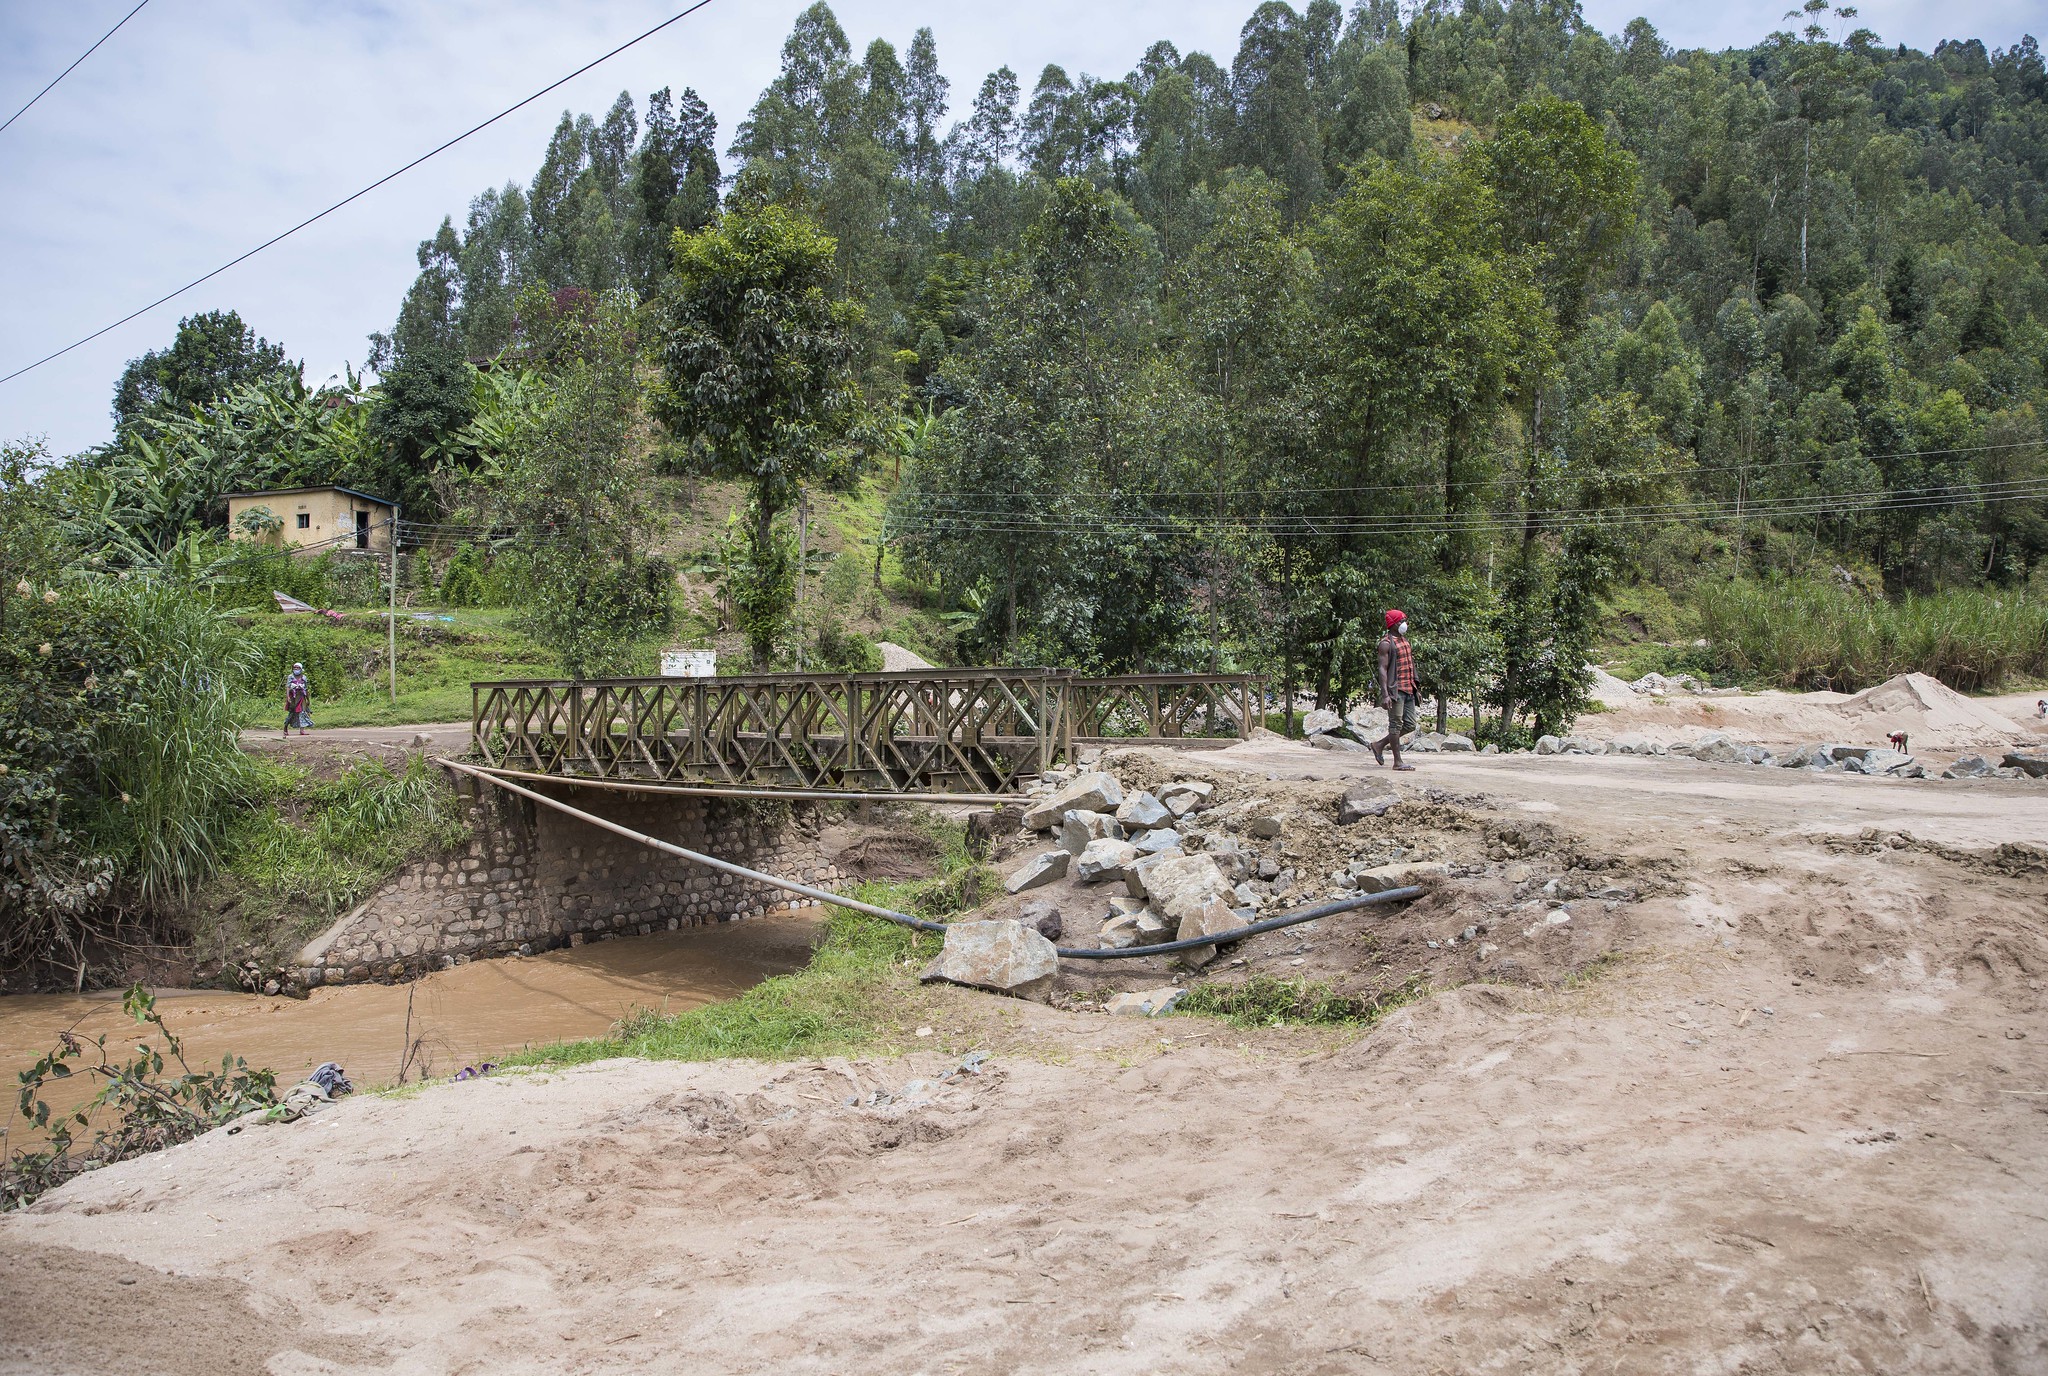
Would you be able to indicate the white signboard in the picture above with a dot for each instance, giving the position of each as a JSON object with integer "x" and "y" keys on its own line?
{"x": 689, "y": 663}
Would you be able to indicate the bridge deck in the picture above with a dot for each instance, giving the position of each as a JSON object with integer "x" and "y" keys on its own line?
{"x": 964, "y": 731}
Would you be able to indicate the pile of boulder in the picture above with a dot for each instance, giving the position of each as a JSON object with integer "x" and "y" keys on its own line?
{"x": 1179, "y": 862}
{"x": 1326, "y": 730}
{"x": 1663, "y": 685}
{"x": 1132, "y": 846}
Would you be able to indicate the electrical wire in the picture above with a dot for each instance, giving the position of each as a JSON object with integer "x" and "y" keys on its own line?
{"x": 73, "y": 67}
{"x": 357, "y": 195}
{"x": 1433, "y": 485}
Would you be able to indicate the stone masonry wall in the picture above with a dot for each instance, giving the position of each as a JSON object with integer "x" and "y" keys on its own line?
{"x": 531, "y": 878}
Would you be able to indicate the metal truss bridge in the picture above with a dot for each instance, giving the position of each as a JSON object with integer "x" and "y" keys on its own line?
{"x": 929, "y": 732}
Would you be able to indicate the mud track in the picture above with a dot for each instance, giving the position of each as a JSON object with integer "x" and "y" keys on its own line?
{"x": 1789, "y": 1114}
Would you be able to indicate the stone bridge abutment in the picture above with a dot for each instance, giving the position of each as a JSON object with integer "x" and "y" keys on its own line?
{"x": 530, "y": 879}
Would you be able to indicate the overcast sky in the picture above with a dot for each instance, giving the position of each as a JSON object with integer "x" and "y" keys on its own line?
{"x": 205, "y": 126}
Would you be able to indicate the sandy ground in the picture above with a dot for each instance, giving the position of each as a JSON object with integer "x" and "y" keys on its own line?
{"x": 1791, "y": 1116}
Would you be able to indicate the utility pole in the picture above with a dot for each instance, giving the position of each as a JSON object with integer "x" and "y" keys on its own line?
{"x": 391, "y": 621}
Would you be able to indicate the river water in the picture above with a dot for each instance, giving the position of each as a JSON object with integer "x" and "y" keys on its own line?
{"x": 464, "y": 1016}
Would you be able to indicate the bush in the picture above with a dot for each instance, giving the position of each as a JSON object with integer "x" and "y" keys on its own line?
{"x": 845, "y": 652}
{"x": 1813, "y": 634}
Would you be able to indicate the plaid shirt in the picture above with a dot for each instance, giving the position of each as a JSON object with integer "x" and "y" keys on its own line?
{"x": 1404, "y": 663}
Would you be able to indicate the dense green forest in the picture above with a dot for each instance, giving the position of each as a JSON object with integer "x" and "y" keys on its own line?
{"x": 1472, "y": 310}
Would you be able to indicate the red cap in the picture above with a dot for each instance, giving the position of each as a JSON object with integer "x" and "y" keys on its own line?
{"x": 1395, "y": 618}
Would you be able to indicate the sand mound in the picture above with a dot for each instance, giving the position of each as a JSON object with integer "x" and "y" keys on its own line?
{"x": 1609, "y": 691}
{"x": 896, "y": 659}
{"x": 1923, "y": 704}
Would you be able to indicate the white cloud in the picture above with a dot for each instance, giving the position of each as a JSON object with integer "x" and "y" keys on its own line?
{"x": 205, "y": 126}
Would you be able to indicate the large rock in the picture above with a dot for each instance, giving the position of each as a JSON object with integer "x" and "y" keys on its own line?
{"x": 1007, "y": 957}
{"x": 1134, "y": 880}
{"x": 1141, "y": 812}
{"x": 1716, "y": 748}
{"x": 1105, "y": 860}
{"x": 1340, "y": 744}
{"x": 1969, "y": 767}
{"x": 985, "y": 828}
{"x": 1380, "y": 878}
{"x": 1267, "y": 826}
{"x": 1090, "y": 792}
{"x": 1882, "y": 760}
{"x": 1455, "y": 743}
{"x": 1814, "y": 756}
{"x": 1078, "y": 829}
{"x": 1367, "y": 798}
{"x": 1145, "y": 1003}
{"x": 1120, "y": 933}
{"x": 1424, "y": 743}
{"x": 1320, "y": 722}
{"x": 1191, "y": 893}
{"x": 2032, "y": 763}
{"x": 1549, "y": 745}
{"x": 1584, "y": 745}
{"x": 1039, "y": 870}
{"x": 1042, "y": 917}
{"x": 1187, "y": 796}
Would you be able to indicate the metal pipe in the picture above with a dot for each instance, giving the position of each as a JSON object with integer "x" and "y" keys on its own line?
{"x": 1272, "y": 924}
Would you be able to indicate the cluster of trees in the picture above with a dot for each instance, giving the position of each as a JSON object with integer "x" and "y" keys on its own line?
{"x": 1471, "y": 309}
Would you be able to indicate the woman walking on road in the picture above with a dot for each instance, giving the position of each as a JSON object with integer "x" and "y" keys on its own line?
{"x": 298, "y": 701}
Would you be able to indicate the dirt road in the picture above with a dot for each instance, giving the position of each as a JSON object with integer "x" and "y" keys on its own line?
{"x": 1791, "y": 1117}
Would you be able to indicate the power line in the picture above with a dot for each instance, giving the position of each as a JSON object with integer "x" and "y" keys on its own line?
{"x": 73, "y": 67}
{"x": 1846, "y": 503}
{"x": 1435, "y": 485}
{"x": 358, "y": 195}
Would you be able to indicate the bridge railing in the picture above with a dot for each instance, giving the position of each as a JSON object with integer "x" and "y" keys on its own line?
{"x": 923, "y": 731}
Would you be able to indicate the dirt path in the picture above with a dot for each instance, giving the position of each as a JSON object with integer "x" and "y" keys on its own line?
{"x": 1794, "y": 1121}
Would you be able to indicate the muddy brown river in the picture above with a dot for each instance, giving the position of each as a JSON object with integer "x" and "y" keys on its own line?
{"x": 465, "y": 1016}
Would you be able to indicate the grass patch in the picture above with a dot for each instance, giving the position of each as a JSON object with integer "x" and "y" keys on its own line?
{"x": 853, "y": 990}
{"x": 348, "y": 666}
{"x": 1269, "y": 1001}
{"x": 308, "y": 849}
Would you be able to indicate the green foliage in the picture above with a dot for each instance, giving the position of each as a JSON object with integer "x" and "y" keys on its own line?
{"x": 1814, "y": 634}
{"x": 213, "y": 354}
{"x": 308, "y": 849}
{"x": 1269, "y": 1001}
{"x": 571, "y": 485}
{"x": 462, "y": 580}
{"x": 840, "y": 651}
{"x": 754, "y": 355}
{"x": 137, "y": 1107}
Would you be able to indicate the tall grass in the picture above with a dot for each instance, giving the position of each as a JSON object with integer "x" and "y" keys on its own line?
{"x": 1810, "y": 634}
{"x": 171, "y": 768}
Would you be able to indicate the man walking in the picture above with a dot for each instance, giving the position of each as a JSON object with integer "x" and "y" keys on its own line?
{"x": 1397, "y": 688}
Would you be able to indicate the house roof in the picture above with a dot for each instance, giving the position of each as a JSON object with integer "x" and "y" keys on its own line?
{"x": 321, "y": 487}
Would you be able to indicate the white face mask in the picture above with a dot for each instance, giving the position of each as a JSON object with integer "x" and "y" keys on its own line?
{"x": 1401, "y": 629}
